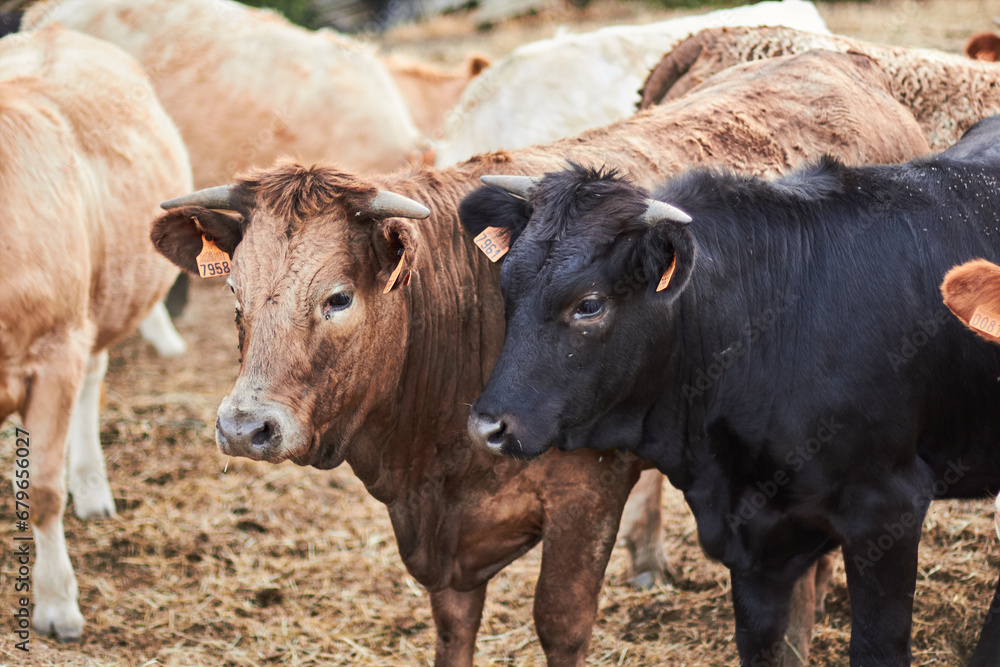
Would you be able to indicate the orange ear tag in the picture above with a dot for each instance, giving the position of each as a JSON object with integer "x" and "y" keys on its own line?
{"x": 494, "y": 242}
{"x": 212, "y": 261}
{"x": 667, "y": 275}
{"x": 395, "y": 275}
{"x": 985, "y": 321}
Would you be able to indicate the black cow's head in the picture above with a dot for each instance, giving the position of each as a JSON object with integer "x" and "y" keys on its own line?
{"x": 596, "y": 270}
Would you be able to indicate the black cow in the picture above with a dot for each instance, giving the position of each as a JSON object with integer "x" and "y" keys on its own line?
{"x": 798, "y": 377}
{"x": 10, "y": 22}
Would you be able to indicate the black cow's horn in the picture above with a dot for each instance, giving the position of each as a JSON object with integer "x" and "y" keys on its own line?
{"x": 519, "y": 186}
{"x": 390, "y": 205}
{"x": 658, "y": 211}
{"x": 217, "y": 197}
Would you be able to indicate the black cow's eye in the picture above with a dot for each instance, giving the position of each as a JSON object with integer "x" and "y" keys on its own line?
{"x": 589, "y": 307}
{"x": 337, "y": 302}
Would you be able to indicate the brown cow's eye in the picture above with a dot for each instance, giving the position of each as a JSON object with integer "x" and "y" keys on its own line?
{"x": 336, "y": 303}
{"x": 588, "y": 308}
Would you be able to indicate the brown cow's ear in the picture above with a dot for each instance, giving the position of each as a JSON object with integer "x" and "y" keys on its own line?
{"x": 400, "y": 243}
{"x": 177, "y": 234}
{"x": 476, "y": 63}
{"x": 974, "y": 288}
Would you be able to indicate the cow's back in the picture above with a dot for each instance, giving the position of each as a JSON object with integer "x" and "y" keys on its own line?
{"x": 245, "y": 86}
{"x": 559, "y": 87}
{"x": 88, "y": 154}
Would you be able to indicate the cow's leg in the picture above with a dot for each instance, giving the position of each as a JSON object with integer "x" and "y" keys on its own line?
{"x": 50, "y": 403}
{"x": 642, "y": 530}
{"x": 824, "y": 572}
{"x": 987, "y": 652}
{"x": 801, "y": 616}
{"x": 159, "y": 330}
{"x": 88, "y": 477}
{"x": 456, "y": 619}
{"x": 762, "y": 607}
{"x": 881, "y": 567}
{"x": 575, "y": 553}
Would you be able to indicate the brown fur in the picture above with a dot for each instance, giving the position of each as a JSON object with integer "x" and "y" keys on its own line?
{"x": 946, "y": 93}
{"x": 983, "y": 46}
{"x": 973, "y": 285}
{"x": 387, "y": 386}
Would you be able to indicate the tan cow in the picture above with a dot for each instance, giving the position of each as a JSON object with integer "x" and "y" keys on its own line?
{"x": 87, "y": 153}
{"x": 430, "y": 92}
{"x": 367, "y": 327}
{"x": 245, "y": 86}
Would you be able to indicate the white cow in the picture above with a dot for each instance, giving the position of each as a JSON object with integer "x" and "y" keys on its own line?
{"x": 559, "y": 87}
{"x": 87, "y": 155}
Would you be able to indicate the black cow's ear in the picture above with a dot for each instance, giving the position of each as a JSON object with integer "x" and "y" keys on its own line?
{"x": 177, "y": 234}
{"x": 667, "y": 254}
{"x": 490, "y": 206}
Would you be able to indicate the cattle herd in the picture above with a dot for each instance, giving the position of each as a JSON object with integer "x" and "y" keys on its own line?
{"x": 509, "y": 297}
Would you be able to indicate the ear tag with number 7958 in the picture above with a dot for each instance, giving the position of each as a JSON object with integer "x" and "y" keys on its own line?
{"x": 212, "y": 261}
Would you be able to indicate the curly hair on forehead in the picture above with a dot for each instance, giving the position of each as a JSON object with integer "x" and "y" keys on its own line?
{"x": 599, "y": 198}
{"x": 292, "y": 190}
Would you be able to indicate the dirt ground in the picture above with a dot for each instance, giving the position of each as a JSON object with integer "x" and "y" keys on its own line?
{"x": 216, "y": 561}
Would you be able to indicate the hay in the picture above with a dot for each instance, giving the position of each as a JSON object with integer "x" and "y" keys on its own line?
{"x": 229, "y": 562}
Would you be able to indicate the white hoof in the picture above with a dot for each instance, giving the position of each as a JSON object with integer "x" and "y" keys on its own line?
{"x": 644, "y": 581}
{"x": 62, "y": 620}
{"x": 92, "y": 497}
{"x": 160, "y": 332}
{"x": 92, "y": 502}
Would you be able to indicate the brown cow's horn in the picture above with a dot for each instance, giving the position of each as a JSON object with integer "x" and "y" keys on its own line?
{"x": 519, "y": 186}
{"x": 658, "y": 211}
{"x": 390, "y": 205}
{"x": 217, "y": 197}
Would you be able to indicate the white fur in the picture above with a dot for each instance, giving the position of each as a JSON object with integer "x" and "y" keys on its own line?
{"x": 159, "y": 330}
{"x": 55, "y": 585}
{"x": 88, "y": 477}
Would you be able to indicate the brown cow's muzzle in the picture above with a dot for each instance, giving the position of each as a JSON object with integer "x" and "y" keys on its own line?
{"x": 258, "y": 430}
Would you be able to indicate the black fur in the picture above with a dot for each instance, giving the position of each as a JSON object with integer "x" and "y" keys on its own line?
{"x": 800, "y": 380}
{"x": 10, "y": 22}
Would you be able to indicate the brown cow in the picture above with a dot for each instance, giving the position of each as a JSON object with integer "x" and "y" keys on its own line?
{"x": 365, "y": 331}
{"x": 87, "y": 153}
{"x": 972, "y": 292}
{"x": 983, "y": 46}
{"x": 947, "y": 93}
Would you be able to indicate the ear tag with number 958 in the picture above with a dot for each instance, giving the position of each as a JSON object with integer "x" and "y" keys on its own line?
{"x": 212, "y": 261}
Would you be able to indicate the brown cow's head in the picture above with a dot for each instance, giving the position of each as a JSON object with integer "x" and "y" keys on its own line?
{"x": 972, "y": 292}
{"x": 313, "y": 251}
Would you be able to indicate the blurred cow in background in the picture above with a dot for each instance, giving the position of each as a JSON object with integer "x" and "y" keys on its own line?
{"x": 559, "y": 87}
{"x": 87, "y": 154}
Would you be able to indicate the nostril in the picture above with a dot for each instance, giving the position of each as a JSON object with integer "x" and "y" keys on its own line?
{"x": 497, "y": 437}
{"x": 263, "y": 435}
